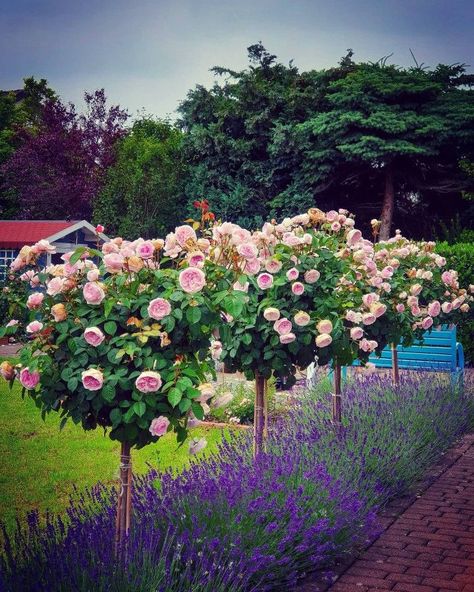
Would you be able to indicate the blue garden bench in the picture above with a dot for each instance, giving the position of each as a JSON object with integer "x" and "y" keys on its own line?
{"x": 439, "y": 351}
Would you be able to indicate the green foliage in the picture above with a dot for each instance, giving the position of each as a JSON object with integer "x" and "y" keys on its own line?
{"x": 143, "y": 191}
{"x": 460, "y": 257}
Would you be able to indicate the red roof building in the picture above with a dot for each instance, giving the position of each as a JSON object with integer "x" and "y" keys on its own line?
{"x": 14, "y": 234}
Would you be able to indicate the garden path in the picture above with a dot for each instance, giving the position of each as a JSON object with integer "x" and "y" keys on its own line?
{"x": 428, "y": 541}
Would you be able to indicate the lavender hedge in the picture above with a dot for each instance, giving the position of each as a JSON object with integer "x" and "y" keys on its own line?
{"x": 226, "y": 524}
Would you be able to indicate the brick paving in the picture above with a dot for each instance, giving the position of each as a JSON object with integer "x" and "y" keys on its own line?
{"x": 428, "y": 547}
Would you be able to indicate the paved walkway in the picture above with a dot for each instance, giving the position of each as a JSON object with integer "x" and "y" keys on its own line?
{"x": 430, "y": 546}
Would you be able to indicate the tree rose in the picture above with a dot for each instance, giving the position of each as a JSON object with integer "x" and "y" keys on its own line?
{"x": 29, "y": 379}
{"x": 35, "y": 300}
{"x": 93, "y": 293}
{"x": 302, "y": 318}
{"x": 145, "y": 250}
{"x": 113, "y": 262}
{"x": 311, "y": 276}
{"x": 434, "y": 308}
{"x": 7, "y": 371}
{"x": 34, "y": 327}
{"x": 159, "y": 426}
{"x": 357, "y": 333}
{"x": 426, "y": 323}
{"x": 324, "y": 326}
{"x": 271, "y": 314}
{"x": 92, "y": 379}
{"x": 273, "y": 266}
{"x": 287, "y": 338}
{"x": 59, "y": 312}
{"x": 283, "y": 326}
{"x": 323, "y": 340}
{"x": 94, "y": 336}
{"x": 368, "y": 318}
{"x": 292, "y": 274}
{"x": 265, "y": 281}
{"x": 159, "y": 308}
{"x": 148, "y": 382}
{"x": 192, "y": 280}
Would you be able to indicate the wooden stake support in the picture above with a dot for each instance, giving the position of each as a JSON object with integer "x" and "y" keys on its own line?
{"x": 337, "y": 396}
{"x": 124, "y": 501}
{"x": 259, "y": 420}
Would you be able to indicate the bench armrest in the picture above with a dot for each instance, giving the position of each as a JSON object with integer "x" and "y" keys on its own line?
{"x": 460, "y": 356}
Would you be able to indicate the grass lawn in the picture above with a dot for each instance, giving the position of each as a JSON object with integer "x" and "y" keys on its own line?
{"x": 39, "y": 465}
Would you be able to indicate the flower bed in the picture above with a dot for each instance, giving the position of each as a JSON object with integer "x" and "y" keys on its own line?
{"x": 230, "y": 524}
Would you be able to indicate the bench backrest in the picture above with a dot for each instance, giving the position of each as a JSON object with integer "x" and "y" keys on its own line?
{"x": 437, "y": 351}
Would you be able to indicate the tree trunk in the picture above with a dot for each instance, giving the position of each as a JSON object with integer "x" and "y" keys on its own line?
{"x": 395, "y": 370}
{"x": 124, "y": 502}
{"x": 388, "y": 205}
{"x": 259, "y": 415}
{"x": 336, "y": 396}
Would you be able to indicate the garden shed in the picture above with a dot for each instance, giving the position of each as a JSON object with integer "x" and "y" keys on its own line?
{"x": 65, "y": 235}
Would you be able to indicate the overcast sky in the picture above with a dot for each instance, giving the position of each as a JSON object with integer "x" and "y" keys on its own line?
{"x": 148, "y": 53}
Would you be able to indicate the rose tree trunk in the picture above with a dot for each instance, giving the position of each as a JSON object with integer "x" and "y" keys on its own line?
{"x": 124, "y": 501}
{"x": 388, "y": 205}
{"x": 259, "y": 420}
{"x": 336, "y": 395}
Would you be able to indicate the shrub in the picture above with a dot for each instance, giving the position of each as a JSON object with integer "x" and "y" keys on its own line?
{"x": 459, "y": 256}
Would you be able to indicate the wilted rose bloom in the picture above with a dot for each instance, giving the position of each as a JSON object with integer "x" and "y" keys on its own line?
{"x": 146, "y": 250}
{"x": 196, "y": 259}
{"x": 283, "y": 326}
{"x": 34, "y": 327}
{"x": 159, "y": 308}
{"x": 241, "y": 287}
{"x": 434, "y": 308}
{"x": 93, "y": 293}
{"x": 222, "y": 400}
{"x": 271, "y": 314}
{"x": 148, "y": 382}
{"x": 159, "y": 426}
{"x": 273, "y": 265}
{"x": 297, "y": 288}
{"x": 7, "y": 371}
{"x": 114, "y": 262}
{"x": 287, "y": 338}
{"x": 184, "y": 234}
{"x": 426, "y": 323}
{"x": 323, "y": 340}
{"x": 368, "y": 318}
{"x": 192, "y": 280}
{"x": 357, "y": 333}
{"x": 353, "y": 317}
{"x": 55, "y": 286}
{"x": 94, "y": 336}
{"x": 134, "y": 264}
{"x": 378, "y": 309}
{"x": 324, "y": 326}
{"x": 35, "y": 300}
{"x": 464, "y": 307}
{"x": 311, "y": 276}
{"x": 252, "y": 266}
{"x": 207, "y": 391}
{"x": 216, "y": 350}
{"x": 196, "y": 445}
{"x": 400, "y": 307}
{"x": 265, "y": 281}
{"x": 292, "y": 274}
{"x": 353, "y": 236}
{"x": 92, "y": 379}
{"x": 302, "y": 318}
{"x": 29, "y": 379}
{"x": 59, "y": 312}
{"x": 415, "y": 289}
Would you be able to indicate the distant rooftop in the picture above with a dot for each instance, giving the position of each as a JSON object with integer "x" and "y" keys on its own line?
{"x": 16, "y": 233}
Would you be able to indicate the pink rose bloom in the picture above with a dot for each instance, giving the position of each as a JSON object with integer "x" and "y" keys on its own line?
{"x": 12, "y": 323}
{"x": 34, "y": 327}
{"x": 426, "y": 323}
{"x": 357, "y": 333}
{"x": 292, "y": 274}
{"x": 311, "y": 276}
{"x": 114, "y": 262}
{"x": 55, "y": 286}
{"x": 369, "y": 299}
{"x": 283, "y": 326}
{"x": 415, "y": 289}
{"x": 196, "y": 259}
{"x": 247, "y": 250}
{"x": 353, "y": 236}
{"x": 446, "y": 307}
{"x": 35, "y": 300}
{"x": 110, "y": 247}
{"x": 93, "y": 275}
{"x": 287, "y": 338}
{"x": 94, "y": 336}
{"x": 368, "y": 318}
{"x": 271, "y": 314}
{"x": 297, "y": 288}
{"x": 412, "y": 300}
{"x": 252, "y": 266}
{"x": 29, "y": 379}
{"x": 241, "y": 287}
{"x": 415, "y": 310}
{"x": 185, "y": 233}
{"x": 148, "y": 382}
{"x": 367, "y": 346}
{"x": 324, "y": 326}
{"x": 434, "y": 308}
{"x": 216, "y": 350}
{"x": 273, "y": 266}
{"x": 456, "y": 303}
{"x": 335, "y": 227}
{"x": 196, "y": 445}
{"x": 92, "y": 379}
{"x": 447, "y": 277}
{"x": 387, "y": 272}
{"x": 192, "y": 280}
{"x": 353, "y": 317}
{"x": 93, "y": 293}
{"x": 265, "y": 281}
{"x": 400, "y": 307}
{"x": 146, "y": 250}
{"x": 291, "y": 240}
{"x": 159, "y": 426}
{"x": 43, "y": 246}
{"x": 323, "y": 340}
{"x": 332, "y": 215}
{"x": 302, "y": 318}
{"x": 378, "y": 309}
{"x": 159, "y": 308}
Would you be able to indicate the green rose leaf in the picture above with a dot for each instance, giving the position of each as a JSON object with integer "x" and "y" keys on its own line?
{"x": 193, "y": 314}
{"x": 110, "y": 327}
{"x": 174, "y": 396}
{"x": 139, "y": 407}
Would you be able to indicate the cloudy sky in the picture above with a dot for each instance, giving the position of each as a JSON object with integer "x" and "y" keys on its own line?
{"x": 148, "y": 53}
